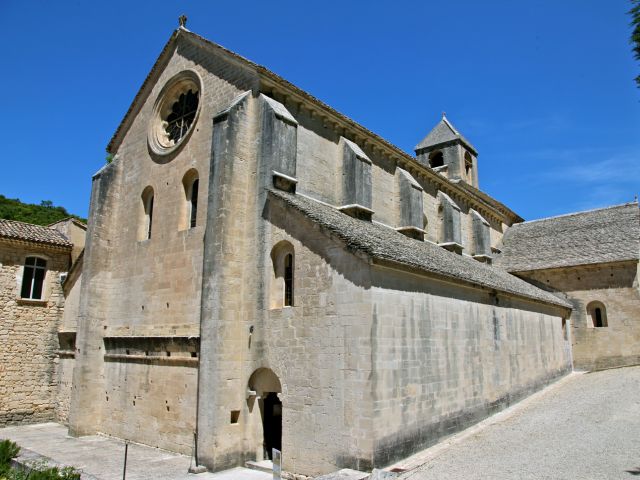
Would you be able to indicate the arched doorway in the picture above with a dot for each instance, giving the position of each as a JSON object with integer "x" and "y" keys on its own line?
{"x": 265, "y": 385}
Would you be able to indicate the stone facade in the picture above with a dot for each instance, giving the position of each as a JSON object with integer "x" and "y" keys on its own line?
{"x": 306, "y": 305}
{"x": 28, "y": 334}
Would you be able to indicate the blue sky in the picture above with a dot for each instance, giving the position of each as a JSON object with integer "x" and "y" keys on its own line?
{"x": 543, "y": 89}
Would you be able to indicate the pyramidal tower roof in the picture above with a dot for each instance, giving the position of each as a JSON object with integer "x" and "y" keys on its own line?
{"x": 443, "y": 132}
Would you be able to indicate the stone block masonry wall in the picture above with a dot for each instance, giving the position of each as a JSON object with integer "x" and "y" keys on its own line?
{"x": 152, "y": 403}
{"x": 150, "y": 287}
{"x": 616, "y": 287}
{"x": 445, "y": 357}
{"x": 28, "y": 336}
{"x": 64, "y": 379}
{"x": 319, "y": 348}
{"x": 68, "y": 327}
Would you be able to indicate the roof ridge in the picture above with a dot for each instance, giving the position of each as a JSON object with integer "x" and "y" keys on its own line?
{"x": 450, "y": 125}
{"x": 572, "y": 214}
{"x": 18, "y": 230}
{"x": 30, "y": 224}
{"x": 70, "y": 217}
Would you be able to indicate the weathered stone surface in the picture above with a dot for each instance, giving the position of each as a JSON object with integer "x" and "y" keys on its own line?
{"x": 615, "y": 285}
{"x": 28, "y": 332}
{"x": 296, "y": 319}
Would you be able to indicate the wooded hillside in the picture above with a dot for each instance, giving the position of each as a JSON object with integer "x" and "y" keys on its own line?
{"x": 43, "y": 214}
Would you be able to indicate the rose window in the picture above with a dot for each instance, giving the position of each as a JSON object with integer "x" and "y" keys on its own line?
{"x": 183, "y": 112}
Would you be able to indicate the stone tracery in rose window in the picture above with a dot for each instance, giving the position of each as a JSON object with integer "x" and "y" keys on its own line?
{"x": 183, "y": 112}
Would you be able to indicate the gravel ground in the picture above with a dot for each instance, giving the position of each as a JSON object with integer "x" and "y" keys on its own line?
{"x": 588, "y": 428}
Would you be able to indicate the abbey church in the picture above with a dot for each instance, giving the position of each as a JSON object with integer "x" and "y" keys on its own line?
{"x": 262, "y": 272}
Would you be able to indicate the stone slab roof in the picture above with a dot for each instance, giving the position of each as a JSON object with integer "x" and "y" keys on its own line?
{"x": 443, "y": 132}
{"x": 383, "y": 243}
{"x": 596, "y": 236}
{"x": 14, "y": 230}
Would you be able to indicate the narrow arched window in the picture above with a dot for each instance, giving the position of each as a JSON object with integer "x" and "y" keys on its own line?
{"x": 598, "y": 314}
{"x": 33, "y": 278}
{"x": 194, "y": 203}
{"x": 189, "y": 210}
{"x": 281, "y": 289}
{"x": 288, "y": 280}
{"x": 147, "y": 206}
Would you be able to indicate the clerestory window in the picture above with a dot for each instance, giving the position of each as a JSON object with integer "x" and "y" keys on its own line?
{"x": 33, "y": 276}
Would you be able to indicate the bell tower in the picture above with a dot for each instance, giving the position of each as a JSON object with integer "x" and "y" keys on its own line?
{"x": 447, "y": 152}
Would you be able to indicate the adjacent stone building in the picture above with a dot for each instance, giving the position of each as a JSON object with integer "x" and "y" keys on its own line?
{"x": 34, "y": 261}
{"x": 593, "y": 258}
{"x": 263, "y": 272}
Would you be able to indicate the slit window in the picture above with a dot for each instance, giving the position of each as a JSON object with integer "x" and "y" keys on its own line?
{"x": 149, "y": 216}
{"x": 288, "y": 280}
{"x": 147, "y": 219}
{"x": 194, "y": 203}
{"x": 33, "y": 278}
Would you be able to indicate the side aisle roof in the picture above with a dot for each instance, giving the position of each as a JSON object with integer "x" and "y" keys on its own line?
{"x": 385, "y": 245}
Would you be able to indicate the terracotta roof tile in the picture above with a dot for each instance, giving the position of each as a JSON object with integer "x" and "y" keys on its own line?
{"x": 32, "y": 233}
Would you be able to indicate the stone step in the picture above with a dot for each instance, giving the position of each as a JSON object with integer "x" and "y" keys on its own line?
{"x": 263, "y": 465}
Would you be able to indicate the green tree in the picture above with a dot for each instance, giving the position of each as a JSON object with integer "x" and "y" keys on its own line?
{"x": 44, "y": 214}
